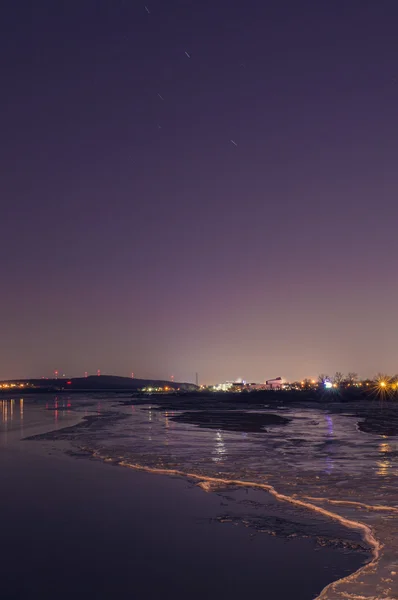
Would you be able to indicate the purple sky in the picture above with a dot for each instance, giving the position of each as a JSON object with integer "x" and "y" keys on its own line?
{"x": 136, "y": 236}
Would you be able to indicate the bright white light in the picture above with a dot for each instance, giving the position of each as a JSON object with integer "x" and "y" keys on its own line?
{"x": 328, "y": 385}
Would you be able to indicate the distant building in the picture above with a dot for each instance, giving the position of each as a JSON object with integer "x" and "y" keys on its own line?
{"x": 254, "y": 387}
{"x": 222, "y": 387}
{"x": 274, "y": 384}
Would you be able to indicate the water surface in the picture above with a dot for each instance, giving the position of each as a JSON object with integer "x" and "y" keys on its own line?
{"x": 140, "y": 532}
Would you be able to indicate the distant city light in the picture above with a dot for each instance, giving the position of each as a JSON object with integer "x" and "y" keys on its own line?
{"x": 328, "y": 385}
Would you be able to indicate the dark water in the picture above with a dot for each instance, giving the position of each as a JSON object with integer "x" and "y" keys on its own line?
{"x": 78, "y": 528}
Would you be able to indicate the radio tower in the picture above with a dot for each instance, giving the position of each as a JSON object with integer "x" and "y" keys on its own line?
{"x": 99, "y": 372}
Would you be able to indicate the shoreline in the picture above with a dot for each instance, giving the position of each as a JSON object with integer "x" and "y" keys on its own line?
{"x": 133, "y": 535}
{"x": 208, "y": 483}
{"x": 367, "y": 533}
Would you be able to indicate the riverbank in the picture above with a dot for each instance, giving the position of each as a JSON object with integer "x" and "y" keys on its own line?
{"x": 105, "y": 531}
{"x": 96, "y": 531}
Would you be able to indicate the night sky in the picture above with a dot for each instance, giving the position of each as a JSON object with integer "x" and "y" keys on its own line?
{"x": 199, "y": 186}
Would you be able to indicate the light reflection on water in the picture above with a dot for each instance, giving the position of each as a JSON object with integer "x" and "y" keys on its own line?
{"x": 329, "y": 451}
{"x": 314, "y": 442}
{"x": 386, "y": 463}
{"x": 220, "y": 451}
{"x": 15, "y": 411}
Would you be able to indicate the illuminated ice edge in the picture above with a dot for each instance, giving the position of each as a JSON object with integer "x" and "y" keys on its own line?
{"x": 206, "y": 483}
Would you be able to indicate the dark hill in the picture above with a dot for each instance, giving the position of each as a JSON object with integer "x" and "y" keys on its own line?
{"x": 98, "y": 383}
